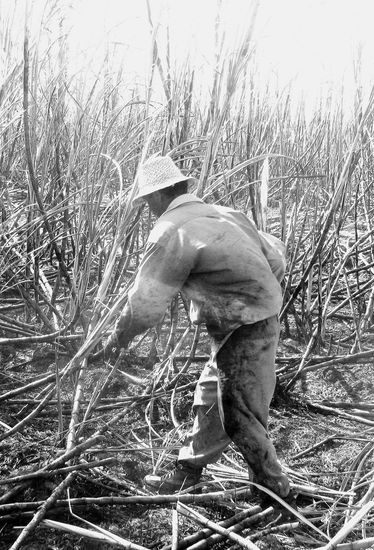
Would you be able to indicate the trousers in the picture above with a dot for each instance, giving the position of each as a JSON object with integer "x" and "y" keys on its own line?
{"x": 232, "y": 400}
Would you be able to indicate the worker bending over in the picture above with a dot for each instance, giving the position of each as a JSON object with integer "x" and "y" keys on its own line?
{"x": 230, "y": 272}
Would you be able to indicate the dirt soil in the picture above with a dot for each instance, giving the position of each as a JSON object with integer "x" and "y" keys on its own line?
{"x": 322, "y": 450}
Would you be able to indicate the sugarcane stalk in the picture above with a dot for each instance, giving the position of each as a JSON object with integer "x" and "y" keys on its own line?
{"x": 196, "y": 516}
{"x": 254, "y": 513}
{"x": 218, "y": 496}
{"x": 31, "y": 526}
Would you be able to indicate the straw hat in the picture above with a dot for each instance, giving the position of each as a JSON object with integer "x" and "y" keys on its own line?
{"x": 158, "y": 173}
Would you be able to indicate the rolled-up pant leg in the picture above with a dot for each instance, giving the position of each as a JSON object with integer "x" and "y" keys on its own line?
{"x": 207, "y": 439}
{"x": 246, "y": 369}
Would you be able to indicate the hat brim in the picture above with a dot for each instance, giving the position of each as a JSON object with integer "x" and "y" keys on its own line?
{"x": 149, "y": 189}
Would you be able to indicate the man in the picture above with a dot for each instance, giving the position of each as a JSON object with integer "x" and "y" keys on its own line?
{"x": 230, "y": 272}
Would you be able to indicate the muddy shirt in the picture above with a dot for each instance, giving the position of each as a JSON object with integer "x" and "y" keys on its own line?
{"x": 217, "y": 258}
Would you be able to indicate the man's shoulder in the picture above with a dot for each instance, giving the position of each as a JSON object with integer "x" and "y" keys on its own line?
{"x": 185, "y": 212}
{"x": 162, "y": 230}
{"x": 174, "y": 220}
{"x": 181, "y": 218}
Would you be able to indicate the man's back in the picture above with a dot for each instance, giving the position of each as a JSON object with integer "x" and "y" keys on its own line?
{"x": 230, "y": 282}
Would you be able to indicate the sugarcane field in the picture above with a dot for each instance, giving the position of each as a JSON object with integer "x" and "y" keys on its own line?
{"x": 186, "y": 274}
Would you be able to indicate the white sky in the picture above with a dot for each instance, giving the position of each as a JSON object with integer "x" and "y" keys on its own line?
{"x": 309, "y": 43}
{"x": 312, "y": 43}
{"x": 316, "y": 42}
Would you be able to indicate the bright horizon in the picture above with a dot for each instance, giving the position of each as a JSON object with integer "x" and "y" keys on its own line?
{"x": 311, "y": 45}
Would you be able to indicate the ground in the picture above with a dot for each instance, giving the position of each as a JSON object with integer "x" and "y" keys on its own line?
{"x": 322, "y": 451}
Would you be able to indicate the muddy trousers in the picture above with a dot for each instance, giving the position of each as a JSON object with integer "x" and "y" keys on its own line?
{"x": 232, "y": 400}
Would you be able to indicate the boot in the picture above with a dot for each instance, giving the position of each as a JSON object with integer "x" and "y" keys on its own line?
{"x": 182, "y": 477}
